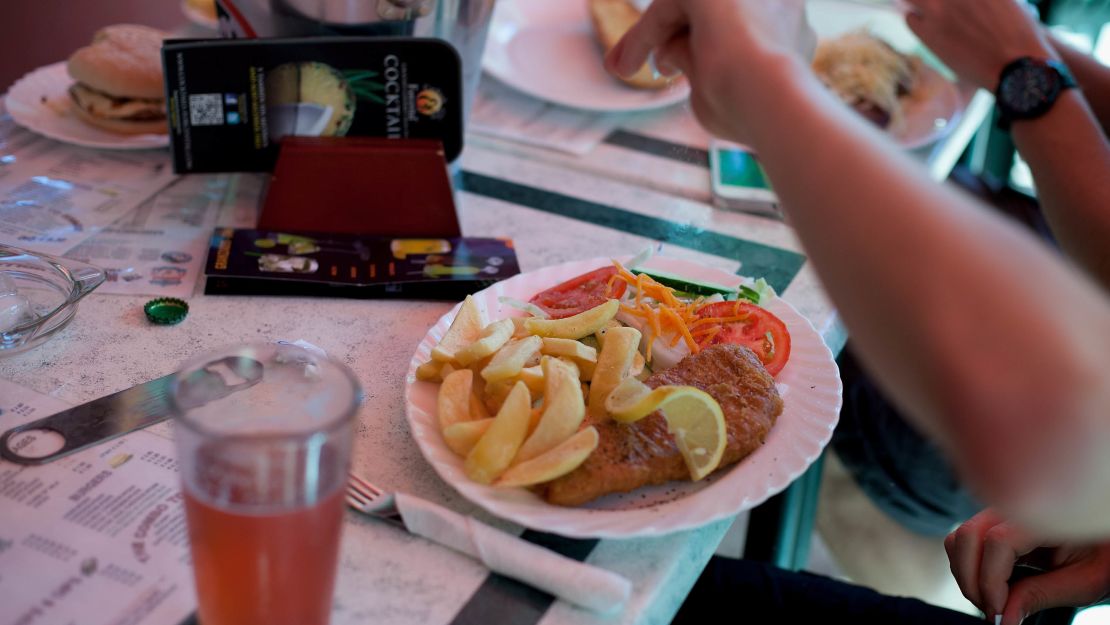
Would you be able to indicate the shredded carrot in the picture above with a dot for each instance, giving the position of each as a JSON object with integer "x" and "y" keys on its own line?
{"x": 666, "y": 312}
{"x": 717, "y": 320}
{"x": 682, "y": 328}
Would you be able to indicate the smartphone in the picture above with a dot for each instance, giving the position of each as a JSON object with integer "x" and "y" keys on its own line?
{"x": 739, "y": 182}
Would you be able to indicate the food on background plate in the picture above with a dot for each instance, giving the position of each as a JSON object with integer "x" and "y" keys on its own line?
{"x": 207, "y": 8}
{"x": 868, "y": 75}
{"x": 611, "y": 19}
{"x": 572, "y": 418}
{"x": 119, "y": 80}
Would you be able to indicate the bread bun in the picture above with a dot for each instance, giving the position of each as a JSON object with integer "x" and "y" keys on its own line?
{"x": 124, "y": 61}
{"x": 611, "y": 20}
{"x": 124, "y": 126}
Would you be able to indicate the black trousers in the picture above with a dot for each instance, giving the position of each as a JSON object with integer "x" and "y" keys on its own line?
{"x": 747, "y": 592}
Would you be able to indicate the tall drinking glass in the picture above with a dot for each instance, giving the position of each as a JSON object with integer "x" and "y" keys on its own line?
{"x": 264, "y": 439}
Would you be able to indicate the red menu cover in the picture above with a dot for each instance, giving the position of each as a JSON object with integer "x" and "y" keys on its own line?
{"x": 361, "y": 185}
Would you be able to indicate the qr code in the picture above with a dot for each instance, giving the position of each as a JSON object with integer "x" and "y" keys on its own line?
{"x": 206, "y": 109}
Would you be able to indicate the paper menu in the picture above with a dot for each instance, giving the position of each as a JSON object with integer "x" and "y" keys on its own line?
{"x": 159, "y": 248}
{"x": 54, "y": 196}
{"x": 503, "y": 113}
{"x": 96, "y": 538}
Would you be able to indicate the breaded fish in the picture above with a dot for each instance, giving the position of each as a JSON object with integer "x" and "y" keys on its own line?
{"x": 638, "y": 454}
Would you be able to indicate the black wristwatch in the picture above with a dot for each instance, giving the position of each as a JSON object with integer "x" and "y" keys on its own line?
{"x": 1028, "y": 88}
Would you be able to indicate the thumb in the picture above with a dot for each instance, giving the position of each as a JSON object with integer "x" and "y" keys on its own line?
{"x": 1070, "y": 586}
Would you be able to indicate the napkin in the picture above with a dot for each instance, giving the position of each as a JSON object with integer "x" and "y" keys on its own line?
{"x": 576, "y": 582}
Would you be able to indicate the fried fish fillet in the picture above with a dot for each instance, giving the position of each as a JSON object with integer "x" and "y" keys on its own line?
{"x": 642, "y": 453}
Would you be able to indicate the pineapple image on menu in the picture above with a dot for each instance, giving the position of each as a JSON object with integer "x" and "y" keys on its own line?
{"x": 309, "y": 99}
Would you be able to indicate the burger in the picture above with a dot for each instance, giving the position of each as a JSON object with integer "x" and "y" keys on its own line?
{"x": 119, "y": 80}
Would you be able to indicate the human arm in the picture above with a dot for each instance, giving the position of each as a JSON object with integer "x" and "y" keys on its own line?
{"x": 1066, "y": 149}
{"x": 1093, "y": 78}
{"x": 984, "y": 551}
{"x": 990, "y": 341}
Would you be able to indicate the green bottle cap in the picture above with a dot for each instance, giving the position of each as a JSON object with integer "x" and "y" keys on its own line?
{"x": 166, "y": 311}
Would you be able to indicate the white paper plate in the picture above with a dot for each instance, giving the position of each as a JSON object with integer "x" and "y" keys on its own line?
{"x": 40, "y": 102}
{"x": 935, "y": 105}
{"x": 548, "y": 51}
{"x": 811, "y": 389}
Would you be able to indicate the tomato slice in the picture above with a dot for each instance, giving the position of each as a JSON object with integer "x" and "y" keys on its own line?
{"x": 580, "y": 294}
{"x": 758, "y": 329}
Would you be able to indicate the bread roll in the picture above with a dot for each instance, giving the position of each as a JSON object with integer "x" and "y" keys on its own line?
{"x": 119, "y": 80}
{"x": 124, "y": 60}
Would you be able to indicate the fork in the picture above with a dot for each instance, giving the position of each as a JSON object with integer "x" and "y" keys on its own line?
{"x": 362, "y": 495}
{"x": 579, "y": 583}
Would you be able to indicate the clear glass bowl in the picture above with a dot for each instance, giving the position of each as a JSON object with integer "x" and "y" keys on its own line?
{"x": 53, "y": 286}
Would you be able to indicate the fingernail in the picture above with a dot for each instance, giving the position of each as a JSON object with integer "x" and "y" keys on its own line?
{"x": 655, "y": 73}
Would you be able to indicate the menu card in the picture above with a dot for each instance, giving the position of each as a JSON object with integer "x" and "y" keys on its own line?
{"x": 260, "y": 262}
{"x": 231, "y": 101}
{"x": 97, "y": 537}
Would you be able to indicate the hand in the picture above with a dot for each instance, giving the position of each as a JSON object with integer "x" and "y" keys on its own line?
{"x": 984, "y": 551}
{"x": 728, "y": 50}
{"x": 977, "y": 39}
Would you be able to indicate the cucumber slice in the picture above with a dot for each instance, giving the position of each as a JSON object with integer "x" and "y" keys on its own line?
{"x": 686, "y": 285}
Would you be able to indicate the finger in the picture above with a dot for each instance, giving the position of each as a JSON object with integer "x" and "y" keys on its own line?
{"x": 967, "y": 551}
{"x": 662, "y": 21}
{"x": 1003, "y": 544}
{"x": 1075, "y": 585}
{"x": 916, "y": 22}
{"x": 673, "y": 57}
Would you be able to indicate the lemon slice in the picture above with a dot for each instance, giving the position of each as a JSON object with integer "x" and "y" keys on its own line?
{"x": 693, "y": 417}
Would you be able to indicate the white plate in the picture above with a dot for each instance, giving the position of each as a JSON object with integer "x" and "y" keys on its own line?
{"x": 548, "y": 50}
{"x": 935, "y": 105}
{"x": 811, "y": 389}
{"x": 40, "y": 102}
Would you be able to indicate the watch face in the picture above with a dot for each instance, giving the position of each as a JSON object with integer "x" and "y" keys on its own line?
{"x": 1027, "y": 88}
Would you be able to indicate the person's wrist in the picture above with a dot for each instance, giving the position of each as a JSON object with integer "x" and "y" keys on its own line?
{"x": 1038, "y": 48}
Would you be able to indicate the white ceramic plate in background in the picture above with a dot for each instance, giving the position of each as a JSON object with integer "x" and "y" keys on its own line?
{"x": 40, "y": 102}
{"x": 548, "y": 51}
{"x": 810, "y": 386}
{"x": 935, "y": 104}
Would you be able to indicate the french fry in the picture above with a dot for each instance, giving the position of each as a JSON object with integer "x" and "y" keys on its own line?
{"x": 493, "y": 337}
{"x": 478, "y": 410}
{"x": 564, "y": 409}
{"x": 534, "y": 420}
{"x": 453, "y": 402}
{"x": 509, "y": 361}
{"x": 574, "y": 366}
{"x": 495, "y": 450}
{"x": 638, "y": 364}
{"x": 556, "y": 462}
{"x": 519, "y": 331}
{"x": 429, "y": 371}
{"x": 496, "y": 393}
{"x": 533, "y": 377}
{"x": 577, "y": 326}
{"x": 446, "y": 370}
{"x": 465, "y": 329}
{"x": 461, "y": 437}
{"x": 613, "y": 364}
{"x": 569, "y": 348}
{"x": 599, "y": 336}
